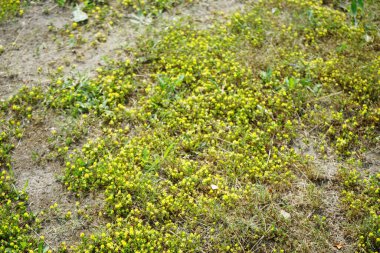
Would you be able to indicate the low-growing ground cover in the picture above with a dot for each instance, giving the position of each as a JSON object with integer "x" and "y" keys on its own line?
{"x": 10, "y": 8}
{"x": 213, "y": 139}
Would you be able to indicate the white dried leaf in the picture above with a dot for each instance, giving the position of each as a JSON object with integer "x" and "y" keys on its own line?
{"x": 214, "y": 187}
{"x": 368, "y": 38}
{"x": 79, "y": 15}
{"x": 285, "y": 214}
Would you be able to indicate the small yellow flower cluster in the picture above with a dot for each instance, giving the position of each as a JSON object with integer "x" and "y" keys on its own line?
{"x": 194, "y": 148}
{"x": 103, "y": 16}
{"x": 10, "y": 8}
{"x": 15, "y": 219}
{"x": 361, "y": 199}
{"x": 101, "y": 19}
{"x": 108, "y": 93}
{"x": 203, "y": 124}
{"x": 152, "y": 7}
{"x": 204, "y": 121}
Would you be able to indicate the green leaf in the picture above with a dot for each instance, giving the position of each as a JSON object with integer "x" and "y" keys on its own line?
{"x": 354, "y": 7}
{"x": 61, "y": 3}
{"x": 361, "y": 4}
{"x": 23, "y": 245}
{"x": 292, "y": 83}
{"x": 167, "y": 151}
{"x": 46, "y": 249}
{"x": 40, "y": 247}
{"x": 145, "y": 155}
{"x": 266, "y": 75}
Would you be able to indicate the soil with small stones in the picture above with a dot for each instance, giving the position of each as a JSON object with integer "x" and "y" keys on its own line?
{"x": 28, "y": 45}
{"x": 39, "y": 176}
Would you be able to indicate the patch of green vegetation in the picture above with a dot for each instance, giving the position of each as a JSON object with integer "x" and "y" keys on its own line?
{"x": 10, "y": 8}
{"x": 195, "y": 151}
{"x": 101, "y": 20}
{"x": 202, "y": 104}
{"x": 103, "y": 16}
{"x": 361, "y": 199}
{"x": 17, "y": 223}
{"x": 152, "y": 7}
{"x": 88, "y": 4}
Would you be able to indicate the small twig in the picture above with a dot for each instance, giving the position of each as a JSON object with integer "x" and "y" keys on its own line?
{"x": 330, "y": 95}
{"x": 269, "y": 154}
{"x": 241, "y": 245}
{"x": 258, "y": 241}
{"x": 44, "y": 240}
{"x": 18, "y": 144}
{"x": 225, "y": 141}
{"x": 307, "y": 178}
{"x": 261, "y": 238}
{"x": 52, "y": 8}
{"x": 18, "y": 35}
{"x": 311, "y": 130}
